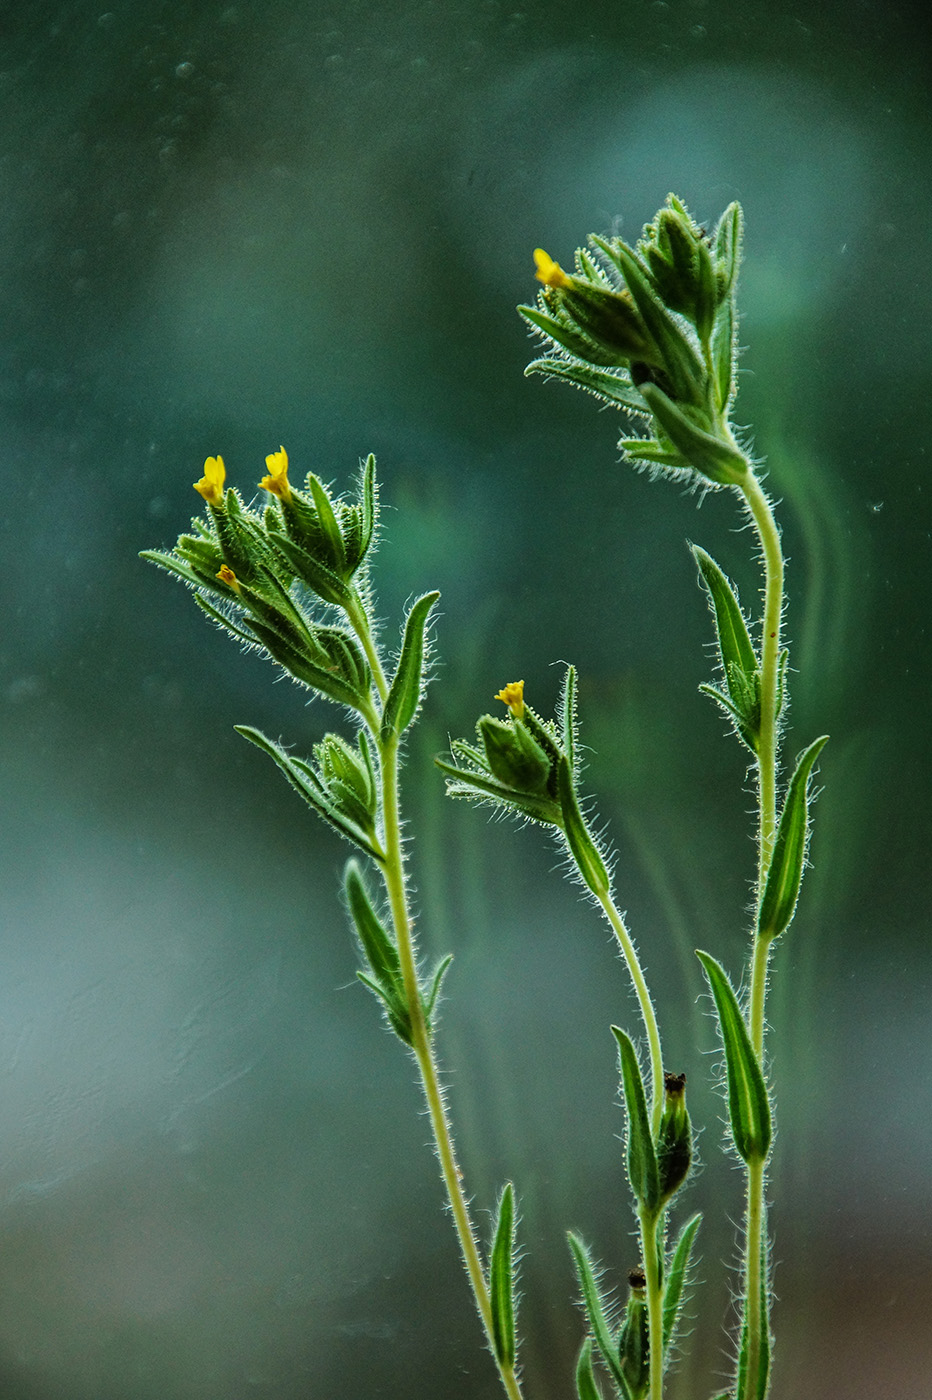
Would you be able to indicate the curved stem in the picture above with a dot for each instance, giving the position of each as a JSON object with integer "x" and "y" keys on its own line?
{"x": 393, "y": 873}
{"x": 647, "y": 1007}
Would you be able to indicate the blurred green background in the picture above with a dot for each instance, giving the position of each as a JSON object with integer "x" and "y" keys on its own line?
{"x": 226, "y": 227}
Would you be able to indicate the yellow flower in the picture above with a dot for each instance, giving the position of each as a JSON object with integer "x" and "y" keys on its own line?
{"x": 513, "y": 697}
{"x": 210, "y": 485}
{"x": 277, "y": 479}
{"x": 226, "y": 575}
{"x": 548, "y": 271}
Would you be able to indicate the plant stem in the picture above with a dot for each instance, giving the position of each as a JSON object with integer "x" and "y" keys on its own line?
{"x": 756, "y": 1313}
{"x": 647, "y": 1007}
{"x": 393, "y": 874}
{"x": 654, "y": 1297}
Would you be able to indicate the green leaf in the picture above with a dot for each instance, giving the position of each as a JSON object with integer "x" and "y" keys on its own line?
{"x": 316, "y": 575}
{"x": 643, "y": 1172}
{"x": 404, "y": 697}
{"x": 430, "y": 995}
{"x": 595, "y": 1312}
{"x": 611, "y": 388}
{"x": 785, "y": 872}
{"x": 328, "y": 523}
{"x": 464, "y": 782}
{"x": 572, "y": 340}
{"x": 586, "y": 1388}
{"x": 653, "y": 454}
{"x": 682, "y": 363}
{"x": 734, "y": 642}
{"x": 568, "y": 717}
{"x": 501, "y": 1280}
{"x": 302, "y": 779}
{"x": 748, "y": 1101}
{"x": 736, "y": 652}
{"x": 381, "y": 954}
{"x": 711, "y": 456}
{"x": 726, "y": 245}
{"x": 677, "y": 1272}
{"x": 724, "y": 355}
{"x": 584, "y": 851}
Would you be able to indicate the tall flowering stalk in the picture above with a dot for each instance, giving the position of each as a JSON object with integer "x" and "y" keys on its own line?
{"x": 650, "y": 330}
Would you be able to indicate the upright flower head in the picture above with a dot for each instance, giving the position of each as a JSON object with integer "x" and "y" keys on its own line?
{"x": 513, "y": 697}
{"x": 210, "y": 485}
{"x": 277, "y": 480}
{"x": 548, "y": 271}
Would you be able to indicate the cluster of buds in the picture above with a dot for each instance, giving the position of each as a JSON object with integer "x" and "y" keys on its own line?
{"x": 652, "y": 330}
{"x": 529, "y": 766}
{"x": 260, "y": 574}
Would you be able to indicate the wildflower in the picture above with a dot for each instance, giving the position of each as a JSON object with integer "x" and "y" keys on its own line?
{"x": 226, "y": 575}
{"x": 277, "y": 480}
{"x": 548, "y": 271}
{"x": 210, "y": 485}
{"x": 513, "y": 697}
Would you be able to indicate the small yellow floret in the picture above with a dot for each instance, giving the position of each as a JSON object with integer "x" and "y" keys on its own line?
{"x": 226, "y": 575}
{"x": 513, "y": 697}
{"x": 277, "y": 479}
{"x": 210, "y": 485}
{"x": 548, "y": 271}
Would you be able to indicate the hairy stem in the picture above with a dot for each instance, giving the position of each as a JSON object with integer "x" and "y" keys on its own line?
{"x": 647, "y": 1007}
{"x": 654, "y": 1297}
{"x": 393, "y": 874}
{"x": 756, "y": 1313}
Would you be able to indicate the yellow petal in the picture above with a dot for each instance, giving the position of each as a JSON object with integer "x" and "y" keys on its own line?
{"x": 548, "y": 271}
{"x": 513, "y": 697}
{"x": 210, "y": 485}
{"x": 277, "y": 480}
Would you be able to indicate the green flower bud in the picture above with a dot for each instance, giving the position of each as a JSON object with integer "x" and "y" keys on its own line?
{"x": 608, "y": 318}
{"x": 633, "y": 1339}
{"x": 514, "y": 757}
{"x": 674, "y": 1141}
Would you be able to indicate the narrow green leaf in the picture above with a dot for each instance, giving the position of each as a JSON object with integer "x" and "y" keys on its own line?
{"x": 595, "y": 1312}
{"x": 172, "y": 565}
{"x": 572, "y": 340}
{"x": 501, "y": 1279}
{"x": 404, "y": 697}
{"x": 785, "y": 872}
{"x": 430, "y": 995}
{"x": 748, "y": 1101}
{"x": 328, "y": 522}
{"x": 568, "y": 717}
{"x": 724, "y": 354}
{"x": 370, "y": 505}
{"x": 316, "y": 575}
{"x": 611, "y": 387}
{"x": 584, "y": 851}
{"x": 643, "y": 1173}
{"x": 682, "y": 363}
{"x": 378, "y": 946}
{"x": 586, "y": 1388}
{"x": 314, "y": 795}
{"x": 726, "y": 245}
{"x": 677, "y": 1273}
{"x": 462, "y": 782}
{"x": 711, "y": 456}
{"x": 734, "y": 642}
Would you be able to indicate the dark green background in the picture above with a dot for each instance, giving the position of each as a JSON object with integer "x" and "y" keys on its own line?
{"x": 228, "y": 227}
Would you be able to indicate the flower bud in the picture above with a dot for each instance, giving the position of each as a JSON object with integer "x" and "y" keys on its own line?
{"x": 513, "y": 755}
{"x": 674, "y": 1141}
{"x": 633, "y": 1339}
